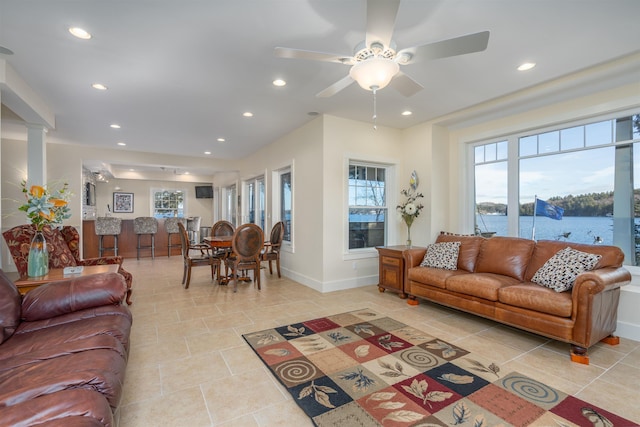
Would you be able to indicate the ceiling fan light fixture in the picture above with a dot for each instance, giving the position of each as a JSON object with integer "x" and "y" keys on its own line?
{"x": 374, "y": 73}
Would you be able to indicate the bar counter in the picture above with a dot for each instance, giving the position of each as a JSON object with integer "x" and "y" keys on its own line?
{"x": 127, "y": 241}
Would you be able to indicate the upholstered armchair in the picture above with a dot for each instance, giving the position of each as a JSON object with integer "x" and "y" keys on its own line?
{"x": 64, "y": 250}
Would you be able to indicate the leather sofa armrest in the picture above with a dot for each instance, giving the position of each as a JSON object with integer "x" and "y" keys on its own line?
{"x": 595, "y": 297}
{"x": 603, "y": 278}
{"x": 414, "y": 256}
{"x": 58, "y": 298}
{"x": 101, "y": 261}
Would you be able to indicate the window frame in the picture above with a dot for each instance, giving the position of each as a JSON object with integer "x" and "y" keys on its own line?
{"x": 155, "y": 190}
{"x": 390, "y": 203}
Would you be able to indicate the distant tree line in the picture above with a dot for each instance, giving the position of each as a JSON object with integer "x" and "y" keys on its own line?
{"x": 592, "y": 204}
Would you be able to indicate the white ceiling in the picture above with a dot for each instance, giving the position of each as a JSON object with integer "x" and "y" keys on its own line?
{"x": 181, "y": 73}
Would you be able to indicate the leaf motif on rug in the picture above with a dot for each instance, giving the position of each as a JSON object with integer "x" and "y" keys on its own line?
{"x": 320, "y": 394}
{"x": 480, "y": 367}
{"x": 361, "y": 381}
{"x": 386, "y": 342}
{"x": 264, "y": 339}
{"x": 366, "y": 329}
{"x": 362, "y": 350}
{"x": 278, "y": 352}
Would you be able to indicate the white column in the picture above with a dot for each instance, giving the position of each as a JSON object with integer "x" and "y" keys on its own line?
{"x": 36, "y": 155}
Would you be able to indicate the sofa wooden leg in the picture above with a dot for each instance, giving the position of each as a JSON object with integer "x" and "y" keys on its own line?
{"x": 579, "y": 355}
{"x": 611, "y": 340}
{"x": 381, "y": 289}
{"x": 412, "y": 300}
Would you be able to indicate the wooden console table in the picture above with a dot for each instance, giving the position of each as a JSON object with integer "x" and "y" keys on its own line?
{"x": 25, "y": 284}
{"x": 391, "y": 268}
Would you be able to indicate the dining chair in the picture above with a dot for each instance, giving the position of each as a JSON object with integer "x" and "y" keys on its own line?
{"x": 222, "y": 228}
{"x": 271, "y": 251}
{"x": 246, "y": 245}
{"x": 201, "y": 258}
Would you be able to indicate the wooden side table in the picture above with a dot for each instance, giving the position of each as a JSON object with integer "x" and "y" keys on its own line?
{"x": 391, "y": 268}
{"x": 25, "y": 284}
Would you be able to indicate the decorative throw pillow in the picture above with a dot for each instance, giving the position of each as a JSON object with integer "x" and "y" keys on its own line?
{"x": 442, "y": 255}
{"x": 560, "y": 271}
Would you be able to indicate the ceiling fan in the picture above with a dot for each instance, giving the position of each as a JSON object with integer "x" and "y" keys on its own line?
{"x": 376, "y": 62}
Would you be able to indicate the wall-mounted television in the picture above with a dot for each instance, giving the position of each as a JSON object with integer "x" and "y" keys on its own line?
{"x": 204, "y": 191}
{"x": 90, "y": 194}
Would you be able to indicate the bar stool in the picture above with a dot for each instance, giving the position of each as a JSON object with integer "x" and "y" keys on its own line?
{"x": 171, "y": 227}
{"x": 108, "y": 226}
{"x": 193, "y": 229}
{"x": 146, "y": 225}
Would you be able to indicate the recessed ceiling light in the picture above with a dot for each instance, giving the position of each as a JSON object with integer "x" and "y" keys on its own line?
{"x": 99, "y": 86}
{"x": 247, "y": 114}
{"x": 80, "y": 33}
{"x": 114, "y": 126}
{"x": 221, "y": 140}
{"x": 279, "y": 82}
{"x": 207, "y": 152}
{"x": 407, "y": 113}
{"x": 132, "y": 170}
{"x": 186, "y": 173}
{"x": 526, "y": 66}
{"x": 122, "y": 144}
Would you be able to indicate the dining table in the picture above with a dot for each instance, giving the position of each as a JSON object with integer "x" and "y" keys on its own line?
{"x": 221, "y": 243}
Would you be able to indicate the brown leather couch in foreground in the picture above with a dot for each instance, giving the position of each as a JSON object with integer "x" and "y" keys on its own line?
{"x": 63, "y": 351}
{"x": 492, "y": 279}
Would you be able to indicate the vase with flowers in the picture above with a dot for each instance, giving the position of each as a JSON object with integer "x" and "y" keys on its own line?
{"x": 43, "y": 207}
{"x": 410, "y": 209}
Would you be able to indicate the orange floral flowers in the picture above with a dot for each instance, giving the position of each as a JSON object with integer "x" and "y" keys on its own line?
{"x": 43, "y": 208}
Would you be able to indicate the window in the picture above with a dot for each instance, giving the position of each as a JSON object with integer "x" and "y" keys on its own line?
{"x": 285, "y": 203}
{"x": 230, "y": 204}
{"x": 168, "y": 203}
{"x": 490, "y": 187}
{"x": 589, "y": 169}
{"x": 367, "y": 205}
{"x": 255, "y": 201}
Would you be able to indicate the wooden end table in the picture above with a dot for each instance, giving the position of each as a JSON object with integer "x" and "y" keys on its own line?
{"x": 25, "y": 284}
{"x": 391, "y": 268}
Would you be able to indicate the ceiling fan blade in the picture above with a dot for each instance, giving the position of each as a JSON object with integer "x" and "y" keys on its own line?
{"x": 381, "y": 18}
{"x": 284, "y": 52}
{"x": 336, "y": 87}
{"x": 405, "y": 84}
{"x": 451, "y": 47}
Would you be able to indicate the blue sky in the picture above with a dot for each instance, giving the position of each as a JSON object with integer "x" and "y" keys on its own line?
{"x": 579, "y": 172}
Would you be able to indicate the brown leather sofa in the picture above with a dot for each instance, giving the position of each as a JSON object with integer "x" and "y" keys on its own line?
{"x": 493, "y": 280}
{"x": 63, "y": 351}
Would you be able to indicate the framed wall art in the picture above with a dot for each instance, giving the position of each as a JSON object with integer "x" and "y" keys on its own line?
{"x": 122, "y": 202}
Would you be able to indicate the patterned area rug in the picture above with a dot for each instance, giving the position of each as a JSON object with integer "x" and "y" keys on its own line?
{"x": 362, "y": 368}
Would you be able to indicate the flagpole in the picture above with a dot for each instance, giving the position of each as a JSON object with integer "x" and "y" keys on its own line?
{"x": 533, "y": 229}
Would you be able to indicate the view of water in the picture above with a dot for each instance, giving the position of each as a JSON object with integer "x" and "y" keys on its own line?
{"x": 582, "y": 229}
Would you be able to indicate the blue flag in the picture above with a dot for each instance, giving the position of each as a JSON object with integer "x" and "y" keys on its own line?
{"x": 546, "y": 209}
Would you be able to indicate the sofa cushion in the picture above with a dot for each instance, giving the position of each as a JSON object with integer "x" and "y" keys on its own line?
{"x": 537, "y": 298}
{"x": 481, "y": 285}
{"x": 57, "y": 298}
{"x": 612, "y": 256}
{"x": 432, "y": 276}
{"x": 442, "y": 255}
{"x": 469, "y": 248}
{"x": 9, "y": 307}
{"x": 507, "y": 256}
{"x": 560, "y": 271}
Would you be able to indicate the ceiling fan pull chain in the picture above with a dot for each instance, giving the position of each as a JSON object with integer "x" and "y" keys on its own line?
{"x": 374, "y": 89}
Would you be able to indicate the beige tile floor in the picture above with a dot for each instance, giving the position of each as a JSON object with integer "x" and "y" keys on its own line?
{"x": 189, "y": 365}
